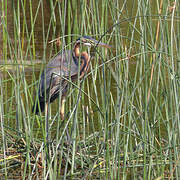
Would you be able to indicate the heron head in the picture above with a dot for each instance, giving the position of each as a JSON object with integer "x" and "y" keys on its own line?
{"x": 89, "y": 41}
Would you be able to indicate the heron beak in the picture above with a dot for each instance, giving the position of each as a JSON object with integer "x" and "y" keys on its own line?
{"x": 88, "y": 44}
{"x": 98, "y": 43}
{"x": 89, "y": 41}
{"x": 103, "y": 45}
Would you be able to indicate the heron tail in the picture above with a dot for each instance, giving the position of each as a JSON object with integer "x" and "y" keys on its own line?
{"x": 38, "y": 106}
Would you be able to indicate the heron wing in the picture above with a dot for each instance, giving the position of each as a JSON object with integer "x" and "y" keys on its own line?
{"x": 62, "y": 66}
{"x": 53, "y": 79}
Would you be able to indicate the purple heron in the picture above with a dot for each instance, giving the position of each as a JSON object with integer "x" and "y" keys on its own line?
{"x": 64, "y": 66}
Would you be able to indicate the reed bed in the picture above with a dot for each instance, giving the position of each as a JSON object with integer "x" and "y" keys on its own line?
{"x": 123, "y": 117}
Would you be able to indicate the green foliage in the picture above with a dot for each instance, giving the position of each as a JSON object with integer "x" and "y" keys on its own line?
{"x": 123, "y": 118}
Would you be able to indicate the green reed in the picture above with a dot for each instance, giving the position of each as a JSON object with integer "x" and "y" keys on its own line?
{"x": 123, "y": 117}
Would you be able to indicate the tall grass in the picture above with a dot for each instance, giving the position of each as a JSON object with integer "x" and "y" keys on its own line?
{"x": 123, "y": 117}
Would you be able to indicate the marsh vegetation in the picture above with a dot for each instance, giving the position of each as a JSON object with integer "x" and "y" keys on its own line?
{"x": 125, "y": 121}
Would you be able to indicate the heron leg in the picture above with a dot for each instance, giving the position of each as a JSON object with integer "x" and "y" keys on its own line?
{"x": 62, "y": 118}
{"x": 62, "y": 108}
{"x": 46, "y": 109}
{"x": 47, "y": 125}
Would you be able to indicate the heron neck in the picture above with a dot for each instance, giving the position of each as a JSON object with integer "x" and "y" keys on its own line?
{"x": 84, "y": 64}
{"x": 76, "y": 54}
{"x": 76, "y": 49}
{"x": 84, "y": 60}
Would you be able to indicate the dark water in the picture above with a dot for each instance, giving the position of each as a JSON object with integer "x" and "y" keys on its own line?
{"x": 13, "y": 7}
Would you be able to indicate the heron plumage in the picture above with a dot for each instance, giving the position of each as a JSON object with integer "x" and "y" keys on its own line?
{"x": 65, "y": 65}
